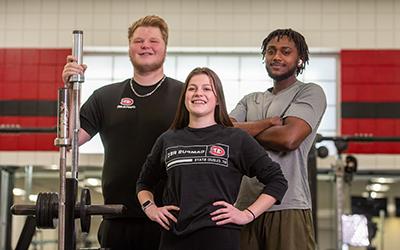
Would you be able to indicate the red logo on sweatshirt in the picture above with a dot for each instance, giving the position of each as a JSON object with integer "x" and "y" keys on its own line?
{"x": 126, "y": 101}
{"x": 217, "y": 151}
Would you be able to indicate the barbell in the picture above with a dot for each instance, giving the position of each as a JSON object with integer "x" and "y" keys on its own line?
{"x": 46, "y": 210}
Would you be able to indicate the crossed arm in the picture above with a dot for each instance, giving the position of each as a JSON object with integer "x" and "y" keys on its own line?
{"x": 277, "y": 134}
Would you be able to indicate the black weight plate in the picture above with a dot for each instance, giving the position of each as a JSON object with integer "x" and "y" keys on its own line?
{"x": 85, "y": 217}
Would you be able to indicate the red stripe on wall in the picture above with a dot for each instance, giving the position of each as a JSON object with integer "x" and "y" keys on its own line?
{"x": 370, "y": 92}
{"x": 360, "y": 74}
{"x": 372, "y": 127}
{"x": 369, "y": 57}
{"x": 21, "y": 141}
{"x": 30, "y": 74}
{"x": 371, "y": 76}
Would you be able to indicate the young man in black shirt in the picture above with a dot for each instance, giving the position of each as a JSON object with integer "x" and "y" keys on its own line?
{"x": 129, "y": 116}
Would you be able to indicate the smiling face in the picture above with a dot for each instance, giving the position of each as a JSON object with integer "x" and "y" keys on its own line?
{"x": 281, "y": 59}
{"x": 200, "y": 98}
{"x": 147, "y": 49}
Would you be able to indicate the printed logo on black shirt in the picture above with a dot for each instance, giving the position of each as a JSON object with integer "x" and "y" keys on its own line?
{"x": 126, "y": 103}
{"x": 217, "y": 150}
{"x": 215, "y": 154}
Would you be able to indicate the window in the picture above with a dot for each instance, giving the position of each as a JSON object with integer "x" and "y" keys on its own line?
{"x": 240, "y": 72}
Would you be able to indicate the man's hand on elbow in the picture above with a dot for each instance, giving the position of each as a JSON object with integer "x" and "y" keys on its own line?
{"x": 274, "y": 121}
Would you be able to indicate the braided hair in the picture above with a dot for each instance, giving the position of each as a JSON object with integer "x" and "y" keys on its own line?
{"x": 298, "y": 40}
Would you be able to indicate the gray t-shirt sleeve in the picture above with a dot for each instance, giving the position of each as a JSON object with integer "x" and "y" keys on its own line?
{"x": 240, "y": 111}
{"x": 309, "y": 105}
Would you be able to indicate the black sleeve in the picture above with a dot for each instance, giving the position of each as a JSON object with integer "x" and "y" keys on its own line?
{"x": 259, "y": 164}
{"x": 91, "y": 115}
{"x": 152, "y": 171}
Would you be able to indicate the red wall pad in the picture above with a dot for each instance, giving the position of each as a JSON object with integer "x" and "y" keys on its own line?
{"x": 29, "y": 80}
{"x": 370, "y": 98}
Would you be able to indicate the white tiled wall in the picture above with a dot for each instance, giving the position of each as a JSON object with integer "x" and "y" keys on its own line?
{"x": 325, "y": 23}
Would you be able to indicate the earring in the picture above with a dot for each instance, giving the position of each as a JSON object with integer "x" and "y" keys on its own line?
{"x": 300, "y": 63}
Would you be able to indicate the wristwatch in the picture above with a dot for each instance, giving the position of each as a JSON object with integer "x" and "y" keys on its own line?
{"x": 146, "y": 204}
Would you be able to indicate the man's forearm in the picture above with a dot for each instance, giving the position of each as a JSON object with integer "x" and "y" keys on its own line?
{"x": 285, "y": 138}
{"x": 83, "y": 137}
{"x": 254, "y": 128}
{"x": 266, "y": 133}
{"x": 275, "y": 139}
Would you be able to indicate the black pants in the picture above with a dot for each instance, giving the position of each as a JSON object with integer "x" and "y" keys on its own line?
{"x": 129, "y": 234}
{"x": 212, "y": 238}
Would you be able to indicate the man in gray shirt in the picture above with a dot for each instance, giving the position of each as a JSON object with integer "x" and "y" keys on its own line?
{"x": 284, "y": 119}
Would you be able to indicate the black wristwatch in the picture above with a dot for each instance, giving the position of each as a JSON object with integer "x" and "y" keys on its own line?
{"x": 146, "y": 204}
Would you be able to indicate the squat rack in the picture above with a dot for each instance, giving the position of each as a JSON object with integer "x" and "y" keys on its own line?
{"x": 51, "y": 208}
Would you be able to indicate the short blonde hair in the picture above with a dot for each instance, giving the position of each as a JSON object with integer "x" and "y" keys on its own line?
{"x": 150, "y": 21}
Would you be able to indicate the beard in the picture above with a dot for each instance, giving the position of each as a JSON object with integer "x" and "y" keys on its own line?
{"x": 283, "y": 76}
{"x": 145, "y": 68}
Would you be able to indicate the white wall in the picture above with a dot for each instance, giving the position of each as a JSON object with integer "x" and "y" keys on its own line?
{"x": 325, "y": 23}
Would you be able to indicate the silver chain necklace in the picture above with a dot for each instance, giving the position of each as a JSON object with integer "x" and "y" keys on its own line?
{"x": 148, "y": 94}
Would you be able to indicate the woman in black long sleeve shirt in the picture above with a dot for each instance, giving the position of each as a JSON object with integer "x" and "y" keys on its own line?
{"x": 203, "y": 158}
